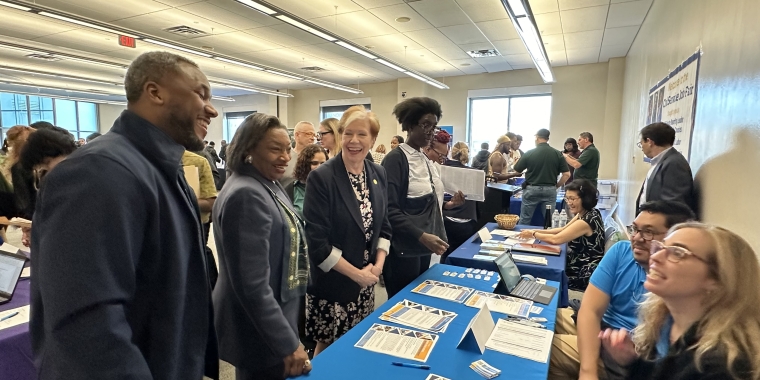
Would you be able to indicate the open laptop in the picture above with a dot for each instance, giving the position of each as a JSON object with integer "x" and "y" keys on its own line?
{"x": 11, "y": 266}
{"x": 515, "y": 285}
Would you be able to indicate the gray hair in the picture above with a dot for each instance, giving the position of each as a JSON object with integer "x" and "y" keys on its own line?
{"x": 151, "y": 67}
{"x": 248, "y": 136}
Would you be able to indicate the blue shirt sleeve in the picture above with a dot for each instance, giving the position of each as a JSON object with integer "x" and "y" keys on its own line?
{"x": 605, "y": 274}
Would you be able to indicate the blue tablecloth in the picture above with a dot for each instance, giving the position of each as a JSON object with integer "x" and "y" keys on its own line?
{"x": 515, "y": 203}
{"x": 15, "y": 342}
{"x": 554, "y": 271}
{"x": 344, "y": 361}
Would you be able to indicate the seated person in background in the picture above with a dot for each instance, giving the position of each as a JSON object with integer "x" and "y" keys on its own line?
{"x": 309, "y": 159}
{"x": 497, "y": 165}
{"x": 584, "y": 234}
{"x": 701, "y": 319}
{"x": 379, "y": 154}
{"x": 612, "y": 297}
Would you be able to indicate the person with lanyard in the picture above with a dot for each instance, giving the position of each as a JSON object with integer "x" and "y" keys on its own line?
{"x": 701, "y": 319}
{"x": 263, "y": 262}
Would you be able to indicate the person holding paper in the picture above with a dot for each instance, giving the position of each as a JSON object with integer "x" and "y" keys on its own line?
{"x": 460, "y": 220}
{"x": 347, "y": 230}
{"x": 415, "y": 196}
{"x": 584, "y": 234}
{"x": 263, "y": 263}
{"x": 700, "y": 320}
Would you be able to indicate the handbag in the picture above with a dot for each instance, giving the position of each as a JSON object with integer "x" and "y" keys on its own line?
{"x": 425, "y": 213}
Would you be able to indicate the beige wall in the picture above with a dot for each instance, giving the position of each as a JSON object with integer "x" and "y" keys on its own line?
{"x": 725, "y": 148}
{"x": 585, "y": 98}
{"x": 107, "y": 113}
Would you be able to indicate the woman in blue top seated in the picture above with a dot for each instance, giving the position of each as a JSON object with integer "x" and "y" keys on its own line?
{"x": 584, "y": 234}
{"x": 701, "y": 319}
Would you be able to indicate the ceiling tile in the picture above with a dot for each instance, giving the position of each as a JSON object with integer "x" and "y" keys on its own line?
{"x": 549, "y": 23}
{"x": 86, "y": 40}
{"x": 353, "y": 25}
{"x": 369, "y": 4}
{"x": 431, "y": 69}
{"x": 497, "y": 67}
{"x": 523, "y": 67}
{"x": 275, "y": 55}
{"x": 440, "y": 13}
{"x": 244, "y": 11}
{"x": 582, "y": 40}
{"x": 391, "y": 13}
{"x": 24, "y": 25}
{"x": 388, "y": 42}
{"x": 579, "y": 20}
{"x": 519, "y": 59}
{"x": 620, "y": 36}
{"x": 155, "y": 23}
{"x": 480, "y": 10}
{"x": 449, "y": 53}
{"x": 582, "y": 56}
{"x": 429, "y": 38}
{"x": 478, "y": 46}
{"x": 286, "y": 35}
{"x": 473, "y": 68}
{"x": 575, "y": 4}
{"x": 327, "y": 50}
{"x": 314, "y": 9}
{"x": 628, "y": 14}
{"x": 510, "y": 47}
{"x": 554, "y": 42}
{"x": 412, "y": 56}
{"x": 557, "y": 58}
{"x": 612, "y": 51}
{"x": 98, "y": 11}
{"x": 498, "y": 29}
{"x": 232, "y": 43}
{"x": 543, "y": 6}
{"x": 230, "y": 19}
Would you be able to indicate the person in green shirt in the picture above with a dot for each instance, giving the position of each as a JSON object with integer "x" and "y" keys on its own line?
{"x": 587, "y": 165}
{"x": 309, "y": 159}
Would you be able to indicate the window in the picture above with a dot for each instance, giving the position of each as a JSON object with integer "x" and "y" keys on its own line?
{"x": 232, "y": 121}
{"x": 337, "y": 111}
{"x": 79, "y": 118}
{"x": 494, "y": 117}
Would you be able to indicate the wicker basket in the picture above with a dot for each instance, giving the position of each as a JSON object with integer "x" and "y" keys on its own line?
{"x": 507, "y": 221}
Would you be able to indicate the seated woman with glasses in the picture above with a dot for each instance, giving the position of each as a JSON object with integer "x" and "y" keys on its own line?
{"x": 309, "y": 159}
{"x": 701, "y": 317}
{"x": 329, "y": 137}
{"x": 584, "y": 234}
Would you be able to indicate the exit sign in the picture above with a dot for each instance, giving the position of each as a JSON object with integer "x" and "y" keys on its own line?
{"x": 127, "y": 41}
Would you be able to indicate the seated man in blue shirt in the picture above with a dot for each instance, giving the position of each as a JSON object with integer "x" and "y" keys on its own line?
{"x": 612, "y": 297}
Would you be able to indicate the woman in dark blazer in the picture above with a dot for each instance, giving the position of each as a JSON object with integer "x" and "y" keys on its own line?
{"x": 348, "y": 232}
{"x": 263, "y": 264}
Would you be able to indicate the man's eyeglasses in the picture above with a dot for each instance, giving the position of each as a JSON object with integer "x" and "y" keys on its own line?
{"x": 673, "y": 254}
{"x": 320, "y": 134}
{"x": 647, "y": 235}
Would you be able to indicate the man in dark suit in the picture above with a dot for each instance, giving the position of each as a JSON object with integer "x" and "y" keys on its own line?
{"x": 121, "y": 289}
{"x": 669, "y": 178}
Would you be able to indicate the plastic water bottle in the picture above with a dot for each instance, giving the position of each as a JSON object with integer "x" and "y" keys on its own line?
{"x": 563, "y": 219}
{"x": 555, "y": 219}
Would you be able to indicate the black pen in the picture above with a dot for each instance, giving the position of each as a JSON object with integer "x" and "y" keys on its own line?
{"x": 411, "y": 365}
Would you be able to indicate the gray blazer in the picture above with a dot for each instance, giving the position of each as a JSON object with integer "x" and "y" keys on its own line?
{"x": 256, "y": 328}
{"x": 671, "y": 181}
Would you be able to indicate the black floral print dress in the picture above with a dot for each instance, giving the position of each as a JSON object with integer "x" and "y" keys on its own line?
{"x": 585, "y": 252}
{"x": 326, "y": 321}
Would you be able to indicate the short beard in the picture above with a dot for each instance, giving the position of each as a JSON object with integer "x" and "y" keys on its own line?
{"x": 183, "y": 130}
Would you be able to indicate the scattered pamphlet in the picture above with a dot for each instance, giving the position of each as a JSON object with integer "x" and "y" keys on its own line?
{"x": 500, "y": 303}
{"x": 523, "y": 341}
{"x": 399, "y": 342}
{"x": 433, "y": 376}
{"x": 484, "y": 369}
{"x": 415, "y": 315}
{"x": 443, "y": 290}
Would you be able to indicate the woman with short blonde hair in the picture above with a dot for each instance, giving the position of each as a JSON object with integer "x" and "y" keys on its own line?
{"x": 702, "y": 316}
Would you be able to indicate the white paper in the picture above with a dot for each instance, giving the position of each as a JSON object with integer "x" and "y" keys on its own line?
{"x": 484, "y": 235}
{"x": 506, "y": 233}
{"x": 443, "y": 290}
{"x": 523, "y": 341}
{"x": 399, "y": 342}
{"x": 530, "y": 259}
{"x": 26, "y": 273}
{"x": 21, "y": 317}
{"x": 500, "y": 303}
{"x": 484, "y": 257}
{"x": 415, "y": 315}
{"x": 536, "y": 309}
{"x": 468, "y": 181}
{"x": 481, "y": 326}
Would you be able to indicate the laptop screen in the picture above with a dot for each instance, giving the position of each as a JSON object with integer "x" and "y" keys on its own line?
{"x": 10, "y": 270}
{"x": 508, "y": 270}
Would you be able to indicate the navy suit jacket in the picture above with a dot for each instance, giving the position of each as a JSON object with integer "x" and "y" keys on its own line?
{"x": 671, "y": 181}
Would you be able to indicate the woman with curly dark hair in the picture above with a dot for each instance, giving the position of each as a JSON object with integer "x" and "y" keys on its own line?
{"x": 571, "y": 149}
{"x": 415, "y": 196}
{"x": 309, "y": 159}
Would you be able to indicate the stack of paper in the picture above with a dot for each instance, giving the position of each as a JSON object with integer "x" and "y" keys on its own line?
{"x": 530, "y": 259}
{"x": 399, "y": 342}
{"x": 419, "y": 316}
{"x": 515, "y": 307}
{"x": 505, "y": 233}
{"x": 443, "y": 290}
{"x": 516, "y": 339}
{"x": 484, "y": 369}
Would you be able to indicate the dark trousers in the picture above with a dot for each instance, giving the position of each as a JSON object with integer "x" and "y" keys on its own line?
{"x": 458, "y": 233}
{"x": 401, "y": 271}
{"x": 213, "y": 273}
{"x": 272, "y": 373}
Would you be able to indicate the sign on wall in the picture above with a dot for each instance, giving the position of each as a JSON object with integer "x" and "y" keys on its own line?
{"x": 674, "y": 101}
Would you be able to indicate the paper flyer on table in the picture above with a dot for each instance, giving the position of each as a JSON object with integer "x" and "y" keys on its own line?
{"x": 399, "y": 342}
{"x": 468, "y": 181}
{"x": 519, "y": 340}
{"x": 21, "y": 317}
{"x": 443, "y": 290}
{"x": 500, "y": 303}
{"x": 419, "y": 316}
{"x": 538, "y": 260}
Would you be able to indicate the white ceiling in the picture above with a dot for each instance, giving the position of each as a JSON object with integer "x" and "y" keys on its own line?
{"x": 433, "y": 42}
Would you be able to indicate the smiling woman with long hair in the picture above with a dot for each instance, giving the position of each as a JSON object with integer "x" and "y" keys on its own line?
{"x": 309, "y": 159}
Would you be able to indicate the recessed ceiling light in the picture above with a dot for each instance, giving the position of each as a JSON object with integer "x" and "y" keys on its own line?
{"x": 403, "y": 19}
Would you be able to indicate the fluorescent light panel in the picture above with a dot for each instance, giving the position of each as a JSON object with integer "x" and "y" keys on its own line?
{"x": 517, "y": 7}
{"x": 83, "y": 23}
{"x": 305, "y": 27}
{"x": 15, "y": 6}
{"x": 58, "y": 88}
{"x": 62, "y": 76}
{"x": 355, "y": 49}
{"x": 259, "y": 7}
{"x": 180, "y": 48}
{"x": 246, "y": 87}
{"x": 223, "y": 98}
{"x": 392, "y": 66}
{"x": 283, "y": 74}
{"x": 528, "y": 32}
{"x": 238, "y": 63}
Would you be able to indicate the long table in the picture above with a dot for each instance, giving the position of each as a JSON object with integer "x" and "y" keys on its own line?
{"x": 344, "y": 361}
{"x": 16, "y": 361}
{"x": 554, "y": 271}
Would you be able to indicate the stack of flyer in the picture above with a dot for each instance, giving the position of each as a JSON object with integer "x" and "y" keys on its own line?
{"x": 412, "y": 314}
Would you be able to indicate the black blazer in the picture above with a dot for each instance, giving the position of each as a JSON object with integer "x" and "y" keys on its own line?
{"x": 333, "y": 219}
{"x": 671, "y": 181}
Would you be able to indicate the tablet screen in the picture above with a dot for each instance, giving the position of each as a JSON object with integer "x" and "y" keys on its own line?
{"x": 508, "y": 270}
{"x": 10, "y": 270}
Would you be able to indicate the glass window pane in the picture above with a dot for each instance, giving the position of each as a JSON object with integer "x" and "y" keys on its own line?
{"x": 88, "y": 117}
{"x": 488, "y": 121}
{"x": 12, "y": 102}
{"x": 11, "y": 118}
{"x": 528, "y": 114}
{"x": 66, "y": 114}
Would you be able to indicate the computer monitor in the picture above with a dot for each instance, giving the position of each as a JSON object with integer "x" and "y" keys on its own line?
{"x": 11, "y": 266}
{"x": 510, "y": 275}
